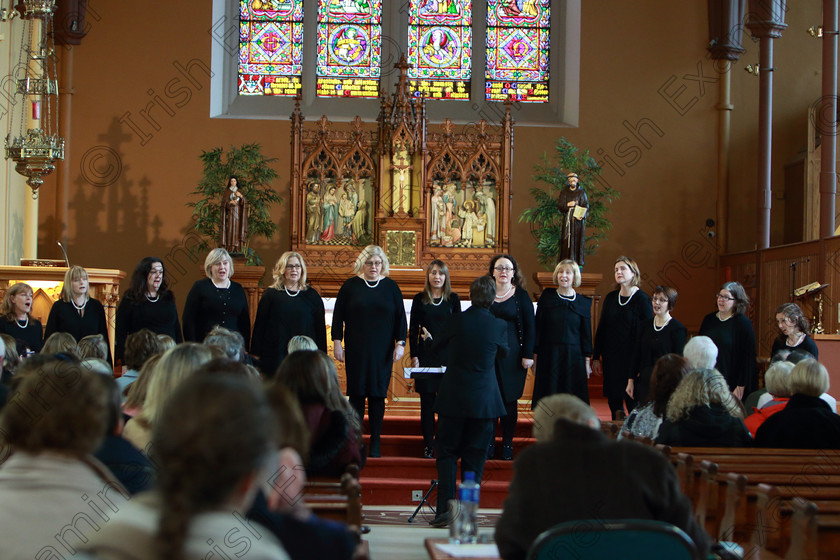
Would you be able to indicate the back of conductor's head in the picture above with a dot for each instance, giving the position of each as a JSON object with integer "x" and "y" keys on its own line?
{"x": 483, "y": 291}
{"x": 562, "y": 406}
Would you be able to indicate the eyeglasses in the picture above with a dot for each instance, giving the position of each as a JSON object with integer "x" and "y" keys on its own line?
{"x": 660, "y": 300}
{"x": 293, "y": 266}
{"x": 373, "y": 263}
{"x": 503, "y": 268}
{"x": 724, "y": 298}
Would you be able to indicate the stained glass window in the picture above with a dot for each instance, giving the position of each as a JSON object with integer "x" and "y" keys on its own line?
{"x": 349, "y": 48}
{"x": 517, "y": 50}
{"x": 270, "y": 47}
{"x": 440, "y": 47}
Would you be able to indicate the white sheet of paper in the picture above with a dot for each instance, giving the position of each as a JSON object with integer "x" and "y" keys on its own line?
{"x": 469, "y": 550}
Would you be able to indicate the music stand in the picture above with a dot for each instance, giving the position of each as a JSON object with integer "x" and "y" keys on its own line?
{"x": 425, "y": 500}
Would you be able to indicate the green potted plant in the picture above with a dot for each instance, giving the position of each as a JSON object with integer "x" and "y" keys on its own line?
{"x": 546, "y": 220}
{"x": 254, "y": 176}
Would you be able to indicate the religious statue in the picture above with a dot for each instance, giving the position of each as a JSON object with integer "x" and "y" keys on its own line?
{"x": 313, "y": 213}
{"x": 573, "y": 203}
{"x": 330, "y": 214}
{"x": 401, "y": 190}
{"x": 234, "y": 213}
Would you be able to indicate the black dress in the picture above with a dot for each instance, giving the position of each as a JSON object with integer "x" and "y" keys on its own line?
{"x": 159, "y": 316}
{"x": 280, "y": 317}
{"x": 563, "y": 341}
{"x": 807, "y": 345}
{"x": 32, "y": 334}
{"x": 653, "y": 344}
{"x": 518, "y": 313}
{"x": 208, "y": 306}
{"x": 370, "y": 320}
{"x": 615, "y": 341}
{"x": 64, "y": 317}
{"x": 433, "y": 317}
{"x": 735, "y": 341}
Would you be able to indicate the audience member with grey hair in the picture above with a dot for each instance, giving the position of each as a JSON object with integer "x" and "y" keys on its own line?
{"x": 574, "y": 472}
{"x": 300, "y": 342}
{"x": 777, "y": 393}
{"x": 229, "y": 342}
{"x": 807, "y": 422}
{"x": 700, "y": 352}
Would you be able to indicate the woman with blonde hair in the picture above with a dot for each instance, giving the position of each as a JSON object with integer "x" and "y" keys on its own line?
{"x": 61, "y": 342}
{"x": 702, "y": 412}
{"x": 563, "y": 337}
{"x": 807, "y": 421}
{"x": 216, "y": 301}
{"x": 76, "y": 312}
{"x": 93, "y": 346}
{"x": 171, "y": 370}
{"x": 623, "y": 313}
{"x": 16, "y": 320}
{"x": 369, "y": 319}
{"x": 430, "y": 310}
{"x": 290, "y": 307}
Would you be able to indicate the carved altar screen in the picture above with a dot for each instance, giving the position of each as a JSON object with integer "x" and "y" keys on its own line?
{"x": 349, "y": 48}
{"x": 517, "y": 50}
{"x": 270, "y": 47}
{"x": 440, "y": 47}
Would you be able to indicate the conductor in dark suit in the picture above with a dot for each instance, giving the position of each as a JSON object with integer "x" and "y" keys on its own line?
{"x": 469, "y": 399}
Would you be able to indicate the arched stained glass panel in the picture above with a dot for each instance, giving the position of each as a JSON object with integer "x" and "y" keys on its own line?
{"x": 517, "y": 50}
{"x": 270, "y": 47}
{"x": 440, "y": 47}
{"x": 349, "y": 48}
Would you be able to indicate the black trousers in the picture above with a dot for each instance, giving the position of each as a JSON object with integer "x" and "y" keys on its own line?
{"x": 376, "y": 413}
{"x": 466, "y": 438}
{"x": 427, "y": 417}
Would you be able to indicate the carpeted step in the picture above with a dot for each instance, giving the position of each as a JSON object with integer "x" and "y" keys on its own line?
{"x": 412, "y": 445}
{"x": 410, "y": 425}
{"x": 390, "y": 491}
{"x": 425, "y": 469}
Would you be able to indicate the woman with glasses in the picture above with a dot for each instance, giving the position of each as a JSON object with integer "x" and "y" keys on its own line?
{"x": 369, "y": 332}
{"x": 623, "y": 313}
{"x": 793, "y": 331}
{"x": 216, "y": 301}
{"x": 430, "y": 310}
{"x": 287, "y": 309}
{"x": 514, "y": 306}
{"x": 657, "y": 337}
{"x": 733, "y": 334}
{"x": 147, "y": 304}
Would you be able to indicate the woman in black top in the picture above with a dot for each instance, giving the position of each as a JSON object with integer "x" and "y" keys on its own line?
{"x": 513, "y": 305}
{"x": 793, "y": 331}
{"x": 216, "y": 300}
{"x": 623, "y": 313}
{"x": 16, "y": 321}
{"x": 657, "y": 337}
{"x": 563, "y": 337}
{"x": 287, "y": 309}
{"x": 733, "y": 334}
{"x": 76, "y": 312}
{"x": 148, "y": 304}
{"x": 430, "y": 310}
{"x": 370, "y": 318}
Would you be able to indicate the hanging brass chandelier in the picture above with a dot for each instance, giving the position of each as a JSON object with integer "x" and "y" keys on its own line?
{"x": 37, "y": 145}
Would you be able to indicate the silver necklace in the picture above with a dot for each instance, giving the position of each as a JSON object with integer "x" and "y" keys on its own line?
{"x": 628, "y": 298}
{"x": 26, "y": 324}
{"x": 657, "y": 329}
{"x": 76, "y": 306}
{"x": 375, "y": 284}
{"x": 157, "y": 297}
{"x": 288, "y": 293}
{"x": 504, "y": 295}
{"x": 567, "y": 298}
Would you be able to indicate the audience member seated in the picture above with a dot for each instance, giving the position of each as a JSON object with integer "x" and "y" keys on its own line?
{"x": 300, "y": 342}
{"x": 703, "y": 413}
{"x": 139, "y": 347}
{"x": 335, "y": 429}
{"x": 53, "y": 492}
{"x": 166, "y": 342}
{"x": 701, "y": 352}
{"x": 214, "y": 446}
{"x": 230, "y": 343}
{"x": 807, "y": 422}
{"x": 11, "y": 359}
{"x": 100, "y": 366}
{"x": 795, "y": 357}
{"x": 577, "y": 473}
{"x": 4, "y": 389}
{"x": 61, "y": 343}
{"x": 777, "y": 385}
{"x": 131, "y": 467}
{"x": 93, "y": 346}
{"x": 171, "y": 370}
{"x": 664, "y": 379}
{"x": 758, "y": 397}
{"x": 281, "y": 508}
{"x": 135, "y": 395}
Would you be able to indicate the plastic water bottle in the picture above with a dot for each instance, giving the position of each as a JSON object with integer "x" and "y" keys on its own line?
{"x": 469, "y": 493}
